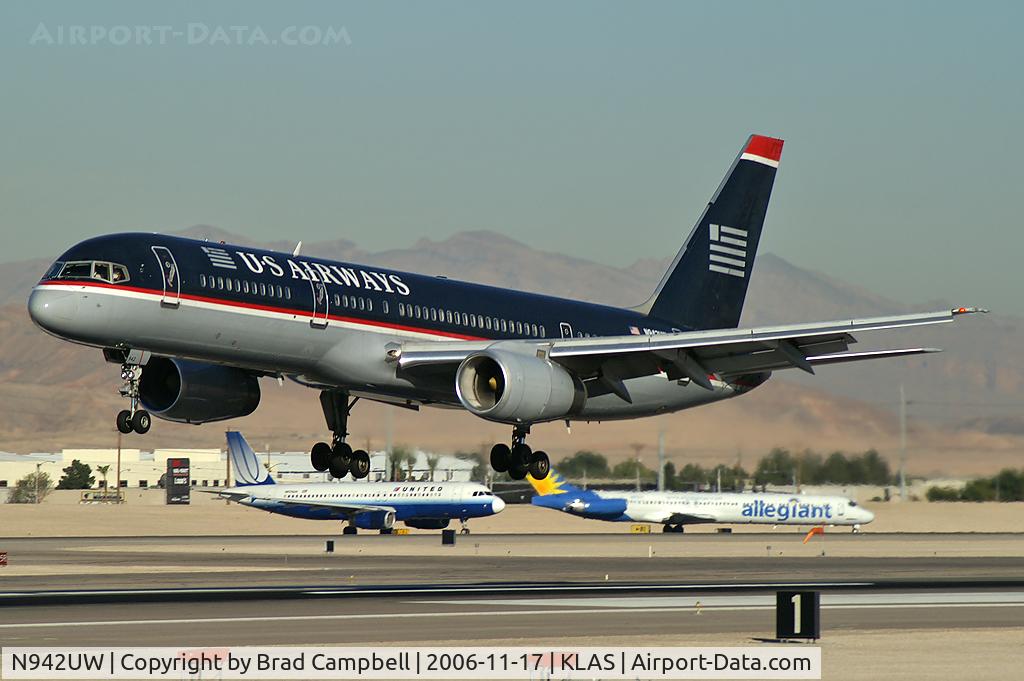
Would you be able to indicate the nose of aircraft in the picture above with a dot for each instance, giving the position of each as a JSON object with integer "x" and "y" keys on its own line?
{"x": 497, "y": 505}
{"x": 868, "y": 515}
{"x": 53, "y": 310}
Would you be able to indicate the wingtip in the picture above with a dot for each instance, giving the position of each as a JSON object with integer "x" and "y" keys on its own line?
{"x": 969, "y": 310}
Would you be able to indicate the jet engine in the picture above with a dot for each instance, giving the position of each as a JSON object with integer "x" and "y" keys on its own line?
{"x": 376, "y": 520}
{"x": 511, "y": 387}
{"x": 428, "y": 523}
{"x": 194, "y": 392}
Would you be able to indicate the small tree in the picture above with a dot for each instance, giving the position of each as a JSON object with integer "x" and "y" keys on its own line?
{"x": 103, "y": 470}
{"x": 432, "y": 462}
{"x": 31, "y": 489}
{"x": 77, "y": 476}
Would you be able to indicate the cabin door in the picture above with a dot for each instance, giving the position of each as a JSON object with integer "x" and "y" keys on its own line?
{"x": 566, "y": 329}
{"x": 170, "y": 275}
{"x": 321, "y": 305}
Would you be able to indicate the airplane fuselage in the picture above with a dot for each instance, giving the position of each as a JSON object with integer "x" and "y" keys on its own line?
{"x": 702, "y": 507}
{"x": 323, "y": 323}
{"x": 409, "y": 500}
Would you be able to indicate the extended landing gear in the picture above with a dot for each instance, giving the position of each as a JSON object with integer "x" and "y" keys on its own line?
{"x": 519, "y": 459}
{"x": 464, "y": 529}
{"x": 349, "y": 529}
{"x": 133, "y": 419}
{"x": 672, "y": 528}
{"x": 338, "y": 457}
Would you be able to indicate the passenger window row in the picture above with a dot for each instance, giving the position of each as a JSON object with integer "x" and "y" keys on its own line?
{"x": 357, "y": 303}
{"x": 472, "y": 321}
{"x": 244, "y": 286}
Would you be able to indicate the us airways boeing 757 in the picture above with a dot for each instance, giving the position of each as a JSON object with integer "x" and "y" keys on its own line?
{"x": 674, "y": 510}
{"x": 369, "y": 505}
{"x": 194, "y": 325}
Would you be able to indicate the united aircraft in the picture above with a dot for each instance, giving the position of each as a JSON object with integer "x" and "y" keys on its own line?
{"x": 194, "y": 325}
{"x": 677, "y": 509}
{"x": 368, "y": 505}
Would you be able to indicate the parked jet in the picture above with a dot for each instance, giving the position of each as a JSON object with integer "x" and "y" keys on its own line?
{"x": 369, "y": 505}
{"x": 195, "y": 324}
{"x": 676, "y": 509}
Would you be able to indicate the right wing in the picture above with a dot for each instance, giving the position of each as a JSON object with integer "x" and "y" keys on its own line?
{"x": 693, "y": 355}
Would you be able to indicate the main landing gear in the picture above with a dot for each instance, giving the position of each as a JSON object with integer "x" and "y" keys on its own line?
{"x": 133, "y": 419}
{"x": 519, "y": 459}
{"x": 338, "y": 457}
{"x": 672, "y": 528}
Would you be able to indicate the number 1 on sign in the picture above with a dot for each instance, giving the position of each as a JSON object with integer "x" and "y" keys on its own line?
{"x": 795, "y": 600}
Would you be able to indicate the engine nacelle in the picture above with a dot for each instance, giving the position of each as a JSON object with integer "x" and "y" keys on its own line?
{"x": 376, "y": 520}
{"x": 194, "y": 392}
{"x": 428, "y": 523}
{"x": 511, "y": 387}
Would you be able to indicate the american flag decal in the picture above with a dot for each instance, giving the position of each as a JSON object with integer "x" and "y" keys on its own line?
{"x": 219, "y": 257}
{"x": 728, "y": 253}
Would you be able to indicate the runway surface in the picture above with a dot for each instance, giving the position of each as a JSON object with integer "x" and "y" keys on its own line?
{"x": 411, "y": 619}
{"x": 200, "y": 562}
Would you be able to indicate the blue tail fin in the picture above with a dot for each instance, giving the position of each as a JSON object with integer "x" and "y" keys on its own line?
{"x": 245, "y": 465}
{"x": 553, "y": 484}
{"x": 706, "y": 285}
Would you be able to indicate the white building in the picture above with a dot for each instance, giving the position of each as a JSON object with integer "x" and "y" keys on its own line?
{"x": 209, "y": 467}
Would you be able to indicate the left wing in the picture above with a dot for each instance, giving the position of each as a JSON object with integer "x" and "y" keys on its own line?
{"x": 693, "y": 355}
{"x": 338, "y": 509}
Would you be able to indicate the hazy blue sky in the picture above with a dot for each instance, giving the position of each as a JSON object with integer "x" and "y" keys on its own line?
{"x": 598, "y": 129}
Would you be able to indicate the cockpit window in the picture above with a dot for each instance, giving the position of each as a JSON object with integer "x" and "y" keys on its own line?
{"x": 112, "y": 273}
{"x": 853, "y": 503}
{"x": 54, "y": 270}
{"x": 77, "y": 270}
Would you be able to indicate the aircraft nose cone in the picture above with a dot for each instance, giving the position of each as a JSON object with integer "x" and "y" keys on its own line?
{"x": 52, "y": 310}
{"x": 497, "y": 506}
{"x": 868, "y": 516}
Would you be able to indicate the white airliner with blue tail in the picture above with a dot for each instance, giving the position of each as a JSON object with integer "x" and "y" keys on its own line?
{"x": 367, "y": 505}
{"x": 676, "y": 509}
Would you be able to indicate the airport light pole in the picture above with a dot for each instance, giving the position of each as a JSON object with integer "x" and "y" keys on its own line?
{"x": 902, "y": 443}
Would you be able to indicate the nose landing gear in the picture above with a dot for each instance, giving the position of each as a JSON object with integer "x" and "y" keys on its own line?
{"x": 519, "y": 459}
{"x": 338, "y": 457}
{"x": 132, "y": 419}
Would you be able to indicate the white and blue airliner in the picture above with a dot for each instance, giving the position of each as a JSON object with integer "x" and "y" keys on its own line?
{"x": 367, "y": 505}
{"x": 673, "y": 510}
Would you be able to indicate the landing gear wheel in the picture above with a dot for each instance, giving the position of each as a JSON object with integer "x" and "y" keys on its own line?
{"x": 501, "y": 455}
{"x": 349, "y": 529}
{"x": 141, "y": 422}
{"x": 359, "y": 464}
{"x": 386, "y": 530}
{"x": 519, "y": 461}
{"x": 540, "y": 466}
{"x": 124, "y": 421}
{"x": 464, "y": 530}
{"x": 320, "y": 456}
{"x": 667, "y": 528}
{"x": 341, "y": 455}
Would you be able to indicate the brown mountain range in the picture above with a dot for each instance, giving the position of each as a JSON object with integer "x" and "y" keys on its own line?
{"x": 965, "y": 402}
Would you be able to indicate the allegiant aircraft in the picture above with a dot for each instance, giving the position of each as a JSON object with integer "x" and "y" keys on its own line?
{"x": 676, "y": 509}
{"x": 194, "y": 325}
{"x": 368, "y": 505}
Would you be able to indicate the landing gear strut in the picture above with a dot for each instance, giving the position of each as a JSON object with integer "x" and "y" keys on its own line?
{"x": 132, "y": 419}
{"x": 338, "y": 457}
{"x": 519, "y": 459}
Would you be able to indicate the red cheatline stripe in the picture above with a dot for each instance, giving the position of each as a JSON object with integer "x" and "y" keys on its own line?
{"x": 765, "y": 147}
{"x": 257, "y": 306}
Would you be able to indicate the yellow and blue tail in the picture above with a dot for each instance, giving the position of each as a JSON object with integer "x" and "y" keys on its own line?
{"x": 553, "y": 484}
{"x": 556, "y": 492}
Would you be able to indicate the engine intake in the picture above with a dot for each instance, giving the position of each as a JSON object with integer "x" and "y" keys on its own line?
{"x": 193, "y": 392}
{"x": 511, "y": 387}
